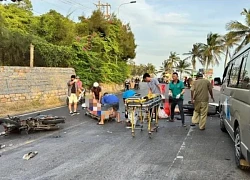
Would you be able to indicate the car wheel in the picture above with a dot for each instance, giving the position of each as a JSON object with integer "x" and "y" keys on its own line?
{"x": 238, "y": 154}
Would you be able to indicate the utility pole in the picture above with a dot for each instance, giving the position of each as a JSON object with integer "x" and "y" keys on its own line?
{"x": 105, "y": 8}
{"x": 31, "y": 55}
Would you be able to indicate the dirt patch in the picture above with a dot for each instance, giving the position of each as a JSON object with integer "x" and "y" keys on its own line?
{"x": 29, "y": 106}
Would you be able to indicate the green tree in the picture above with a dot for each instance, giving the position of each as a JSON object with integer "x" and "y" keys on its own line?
{"x": 229, "y": 41}
{"x": 165, "y": 68}
{"x": 97, "y": 48}
{"x": 183, "y": 67}
{"x": 55, "y": 28}
{"x": 240, "y": 30}
{"x": 173, "y": 60}
{"x": 212, "y": 50}
{"x": 195, "y": 54}
{"x": 150, "y": 68}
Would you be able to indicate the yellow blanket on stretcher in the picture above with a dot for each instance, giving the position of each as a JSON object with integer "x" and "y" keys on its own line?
{"x": 141, "y": 99}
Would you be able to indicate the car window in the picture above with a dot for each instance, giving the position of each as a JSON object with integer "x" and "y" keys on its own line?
{"x": 244, "y": 74}
{"x": 234, "y": 73}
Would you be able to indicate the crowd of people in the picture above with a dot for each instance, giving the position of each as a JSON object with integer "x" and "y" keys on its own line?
{"x": 107, "y": 105}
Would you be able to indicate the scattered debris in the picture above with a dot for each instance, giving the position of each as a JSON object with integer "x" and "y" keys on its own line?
{"x": 2, "y": 146}
{"x": 65, "y": 132}
{"x": 30, "y": 155}
{"x": 2, "y": 133}
{"x": 10, "y": 145}
{"x": 58, "y": 136}
{"x": 109, "y": 132}
{"x": 227, "y": 159}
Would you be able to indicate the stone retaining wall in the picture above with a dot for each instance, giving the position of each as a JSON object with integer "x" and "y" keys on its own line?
{"x": 25, "y": 84}
{"x": 25, "y": 87}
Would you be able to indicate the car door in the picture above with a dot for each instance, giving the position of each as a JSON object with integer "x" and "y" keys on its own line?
{"x": 225, "y": 100}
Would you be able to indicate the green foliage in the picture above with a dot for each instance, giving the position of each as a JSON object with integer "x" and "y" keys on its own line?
{"x": 97, "y": 48}
{"x": 139, "y": 70}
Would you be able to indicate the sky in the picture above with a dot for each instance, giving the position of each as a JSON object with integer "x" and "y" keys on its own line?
{"x": 161, "y": 26}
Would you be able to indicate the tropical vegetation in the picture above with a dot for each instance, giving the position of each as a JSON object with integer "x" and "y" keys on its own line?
{"x": 98, "y": 48}
{"x": 209, "y": 54}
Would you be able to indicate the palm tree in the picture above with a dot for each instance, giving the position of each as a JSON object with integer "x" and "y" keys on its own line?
{"x": 212, "y": 50}
{"x": 150, "y": 68}
{"x": 164, "y": 68}
{"x": 195, "y": 54}
{"x": 172, "y": 60}
{"x": 183, "y": 67}
{"x": 240, "y": 30}
{"x": 229, "y": 41}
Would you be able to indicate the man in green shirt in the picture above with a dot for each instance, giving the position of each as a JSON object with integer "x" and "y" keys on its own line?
{"x": 176, "y": 91}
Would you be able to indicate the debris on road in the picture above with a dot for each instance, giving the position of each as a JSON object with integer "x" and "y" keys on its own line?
{"x": 2, "y": 133}
{"x": 109, "y": 132}
{"x": 57, "y": 136}
{"x": 2, "y": 146}
{"x": 30, "y": 155}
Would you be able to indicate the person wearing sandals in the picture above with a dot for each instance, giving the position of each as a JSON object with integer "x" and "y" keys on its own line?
{"x": 176, "y": 91}
{"x": 110, "y": 104}
{"x": 72, "y": 94}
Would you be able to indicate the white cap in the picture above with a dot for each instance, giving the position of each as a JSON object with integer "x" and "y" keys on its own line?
{"x": 95, "y": 84}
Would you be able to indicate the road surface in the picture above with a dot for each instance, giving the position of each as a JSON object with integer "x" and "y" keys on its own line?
{"x": 84, "y": 150}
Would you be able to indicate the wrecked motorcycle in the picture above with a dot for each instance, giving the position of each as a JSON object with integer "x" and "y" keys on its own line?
{"x": 39, "y": 122}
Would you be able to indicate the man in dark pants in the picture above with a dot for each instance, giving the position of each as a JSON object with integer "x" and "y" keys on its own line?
{"x": 176, "y": 91}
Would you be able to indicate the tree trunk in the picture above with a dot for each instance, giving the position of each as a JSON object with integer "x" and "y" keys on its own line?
{"x": 225, "y": 63}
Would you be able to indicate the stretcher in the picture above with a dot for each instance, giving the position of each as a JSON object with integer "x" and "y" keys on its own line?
{"x": 97, "y": 117}
{"x": 148, "y": 105}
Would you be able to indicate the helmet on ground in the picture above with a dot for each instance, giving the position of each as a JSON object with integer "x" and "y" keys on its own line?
{"x": 95, "y": 84}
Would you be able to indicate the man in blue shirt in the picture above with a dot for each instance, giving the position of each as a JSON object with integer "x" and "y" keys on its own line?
{"x": 176, "y": 91}
{"x": 110, "y": 101}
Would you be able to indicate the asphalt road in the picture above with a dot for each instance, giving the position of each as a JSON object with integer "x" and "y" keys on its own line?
{"x": 84, "y": 150}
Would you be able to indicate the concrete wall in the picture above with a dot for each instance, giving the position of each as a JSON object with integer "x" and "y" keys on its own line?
{"x": 25, "y": 84}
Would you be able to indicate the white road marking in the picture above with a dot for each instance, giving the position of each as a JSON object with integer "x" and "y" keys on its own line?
{"x": 178, "y": 156}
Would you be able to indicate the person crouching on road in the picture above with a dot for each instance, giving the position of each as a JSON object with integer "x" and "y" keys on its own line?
{"x": 176, "y": 91}
{"x": 72, "y": 94}
{"x": 110, "y": 101}
{"x": 96, "y": 92}
{"x": 200, "y": 99}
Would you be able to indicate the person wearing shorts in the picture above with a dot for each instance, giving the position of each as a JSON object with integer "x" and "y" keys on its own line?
{"x": 110, "y": 104}
{"x": 72, "y": 94}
